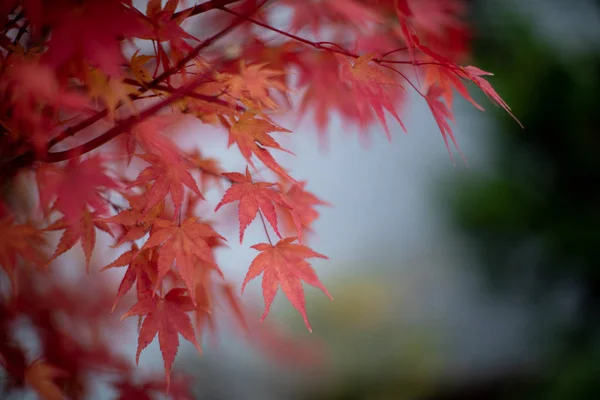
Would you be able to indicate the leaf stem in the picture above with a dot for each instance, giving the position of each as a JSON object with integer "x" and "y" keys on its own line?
{"x": 262, "y": 219}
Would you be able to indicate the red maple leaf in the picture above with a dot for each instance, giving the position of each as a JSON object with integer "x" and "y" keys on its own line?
{"x": 253, "y": 196}
{"x": 475, "y": 74}
{"x": 337, "y": 12}
{"x": 167, "y": 176}
{"x": 76, "y": 186}
{"x": 165, "y": 316}
{"x": 149, "y": 135}
{"x": 442, "y": 116}
{"x": 92, "y": 31}
{"x": 140, "y": 268}
{"x": 251, "y": 134}
{"x": 164, "y": 28}
{"x": 251, "y": 85}
{"x": 325, "y": 91}
{"x": 180, "y": 244}
{"x": 134, "y": 221}
{"x": 447, "y": 79}
{"x": 284, "y": 265}
{"x": 302, "y": 212}
{"x": 374, "y": 89}
{"x": 210, "y": 169}
{"x": 85, "y": 231}
{"x": 19, "y": 240}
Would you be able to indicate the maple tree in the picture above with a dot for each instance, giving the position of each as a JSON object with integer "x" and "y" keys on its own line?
{"x": 91, "y": 91}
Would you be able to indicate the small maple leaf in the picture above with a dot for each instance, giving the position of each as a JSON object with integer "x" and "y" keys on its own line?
{"x": 284, "y": 265}
{"x": 203, "y": 299}
{"x": 135, "y": 222}
{"x": 140, "y": 268}
{"x": 29, "y": 87}
{"x": 475, "y": 74}
{"x": 253, "y": 196}
{"x": 234, "y": 303}
{"x": 140, "y": 73}
{"x": 149, "y": 135}
{"x": 165, "y": 316}
{"x": 76, "y": 186}
{"x": 162, "y": 27}
{"x": 251, "y": 134}
{"x": 325, "y": 90}
{"x": 302, "y": 211}
{"x": 111, "y": 91}
{"x": 351, "y": 13}
{"x": 19, "y": 240}
{"x": 93, "y": 30}
{"x": 167, "y": 176}
{"x": 251, "y": 85}
{"x": 86, "y": 232}
{"x": 374, "y": 89}
{"x": 210, "y": 169}
{"x": 447, "y": 79}
{"x": 40, "y": 375}
{"x": 180, "y": 244}
{"x": 442, "y": 116}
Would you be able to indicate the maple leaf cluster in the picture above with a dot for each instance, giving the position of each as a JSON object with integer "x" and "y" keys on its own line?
{"x": 91, "y": 92}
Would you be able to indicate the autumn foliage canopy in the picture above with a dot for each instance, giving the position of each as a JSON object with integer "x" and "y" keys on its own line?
{"x": 110, "y": 114}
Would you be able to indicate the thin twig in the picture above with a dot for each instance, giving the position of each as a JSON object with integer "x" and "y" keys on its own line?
{"x": 265, "y": 226}
{"x": 124, "y": 126}
{"x": 202, "y": 8}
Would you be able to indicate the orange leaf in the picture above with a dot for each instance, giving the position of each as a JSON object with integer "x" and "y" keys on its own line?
{"x": 374, "y": 89}
{"x": 135, "y": 221}
{"x": 475, "y": 74}
{"x": 88, "y": 31}
{"x": 165, "y": 316}
{"x": 210, "y": 169}
{"x": 302, "y": 203}
{"x": 139, "y": 268}
{"x": 284, "y": 265}
{"x": 19, "y": 240}
{"x": 251, "y": 134}
{"x": 179, "y": 245}
{"x": 167, "y": 176}
{"x": 86, "y": 232}
{"x": 76, "y": 186}
{"x": 40, "y": 376}
{"x": 251, "y": 86}
{"x": 442, "y": 115}
{"x": 253, "y": 196}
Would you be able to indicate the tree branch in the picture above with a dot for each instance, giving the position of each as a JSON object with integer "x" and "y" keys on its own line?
{"x": 124, "y": 126}
{"x": 27, "y": 158}
{"x": 202, "y": 8}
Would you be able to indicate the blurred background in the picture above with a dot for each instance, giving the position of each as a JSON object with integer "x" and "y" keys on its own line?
{"x": 452, "y": 282}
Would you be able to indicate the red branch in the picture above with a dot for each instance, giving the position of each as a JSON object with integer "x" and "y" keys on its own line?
{"x": 10, "y": 168}
{"x": 124, "y": 126}
{"x": 202, "y": 8}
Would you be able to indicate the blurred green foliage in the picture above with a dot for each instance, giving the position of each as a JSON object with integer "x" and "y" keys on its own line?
{"x": 373, "y": 350}
{"x": 534, "y": 219}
